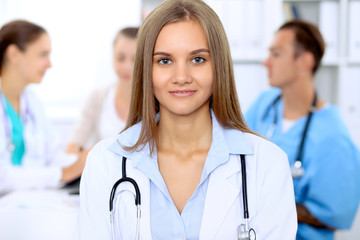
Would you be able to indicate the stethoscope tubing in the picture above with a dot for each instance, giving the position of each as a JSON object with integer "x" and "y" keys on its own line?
{"x": 137, "y": 200}
{"x": 297, "y": 169}
{"x": 244, "y": 187}
{"x": 300, "y": 153}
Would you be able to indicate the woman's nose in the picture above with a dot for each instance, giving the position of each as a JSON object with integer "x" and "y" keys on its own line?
{"x": 49, "y": 64}
{"x": 181, "y": 74}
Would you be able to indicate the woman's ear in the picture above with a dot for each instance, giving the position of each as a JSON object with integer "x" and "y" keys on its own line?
{"x": 12, "y": 53}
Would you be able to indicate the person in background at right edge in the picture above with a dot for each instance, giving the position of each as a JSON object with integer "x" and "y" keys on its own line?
{"x": 324, "y": 161}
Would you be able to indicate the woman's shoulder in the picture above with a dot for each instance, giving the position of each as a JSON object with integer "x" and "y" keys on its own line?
{"x": 30, "y": 96}
{"x": 265, "y": 150}
{"x": 101, "y": 156}
{"x": 268, "y": 162}
{"x": 103, "y": 146}
{"x": 32, "y": 104}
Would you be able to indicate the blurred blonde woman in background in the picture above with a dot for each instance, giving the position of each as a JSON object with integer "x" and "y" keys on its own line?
{"x": 106, "y": 110}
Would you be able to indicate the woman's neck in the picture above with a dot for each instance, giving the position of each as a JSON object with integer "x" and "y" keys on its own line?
{"x": 12, "y": 90}
{"x": 185, "y": 134}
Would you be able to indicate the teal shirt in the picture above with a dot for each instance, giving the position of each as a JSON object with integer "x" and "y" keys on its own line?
{"x": 17, "y": 133}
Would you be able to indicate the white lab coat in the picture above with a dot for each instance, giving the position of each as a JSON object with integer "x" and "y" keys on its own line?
{"x": 270, "y": 196}
{"x": 43, "y": 158}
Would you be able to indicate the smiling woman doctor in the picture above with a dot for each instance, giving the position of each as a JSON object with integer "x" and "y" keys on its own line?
{"x": 30, "y": 157}
{"x": 186, "y": 146}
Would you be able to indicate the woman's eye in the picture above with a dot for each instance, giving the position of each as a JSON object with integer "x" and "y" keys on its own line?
{"x": 198, "y": 60}
{"x": 44, "y": 54}
{"x": 120, "y": 58}
{"x": 164, "y": 61}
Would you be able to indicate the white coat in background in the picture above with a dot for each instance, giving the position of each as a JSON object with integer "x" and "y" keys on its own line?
{"x": 43, "y": 159}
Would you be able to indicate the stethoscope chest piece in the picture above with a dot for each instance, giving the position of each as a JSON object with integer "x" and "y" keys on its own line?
{"x": 297, "y": 169}
{"x": 243, "y": 234}
{"x": 10, "y": 146}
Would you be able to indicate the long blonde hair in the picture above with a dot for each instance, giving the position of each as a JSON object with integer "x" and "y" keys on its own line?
{"x": 223, "y": 101}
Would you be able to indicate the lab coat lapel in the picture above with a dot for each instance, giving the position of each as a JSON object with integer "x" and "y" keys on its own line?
{"x": 221, "y": 196}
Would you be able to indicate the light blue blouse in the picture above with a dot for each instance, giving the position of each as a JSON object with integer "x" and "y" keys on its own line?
{"x": 330, "y": 187}
{"x": 166, "y": 221}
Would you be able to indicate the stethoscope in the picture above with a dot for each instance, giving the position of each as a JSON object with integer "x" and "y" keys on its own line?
{"x": 137, "y": 200}
{"x": 297, "y": 170}
{"x": 244, "y": 233}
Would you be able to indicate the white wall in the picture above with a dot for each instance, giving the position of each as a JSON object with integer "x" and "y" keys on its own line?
{"x": 82, "y": 32}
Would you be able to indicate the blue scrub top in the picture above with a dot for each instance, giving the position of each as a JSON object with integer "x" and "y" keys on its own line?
{"x": 330, "y": 187}
{"x": 17, "y": 133}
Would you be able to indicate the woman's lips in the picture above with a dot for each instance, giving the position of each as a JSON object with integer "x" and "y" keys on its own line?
{"x": 182, "y": 93}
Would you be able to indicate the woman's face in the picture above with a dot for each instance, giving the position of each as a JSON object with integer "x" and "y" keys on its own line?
{"x": 124, "y": 55}
{"x": 182, "y": 73}
{"x": 35, "y": 60}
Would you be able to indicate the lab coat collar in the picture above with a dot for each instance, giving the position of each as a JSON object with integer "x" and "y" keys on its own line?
{"x": 128, "y": 138}
{"x": 235, "y": 141}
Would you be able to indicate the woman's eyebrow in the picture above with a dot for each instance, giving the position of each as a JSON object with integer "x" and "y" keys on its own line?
{"x": 192, "y": 52}
{"x": 200, "y": 50}
{"x": 162, "y": 53}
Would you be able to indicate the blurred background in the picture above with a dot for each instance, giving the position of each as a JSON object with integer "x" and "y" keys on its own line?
{"x": 82, "y": 33}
